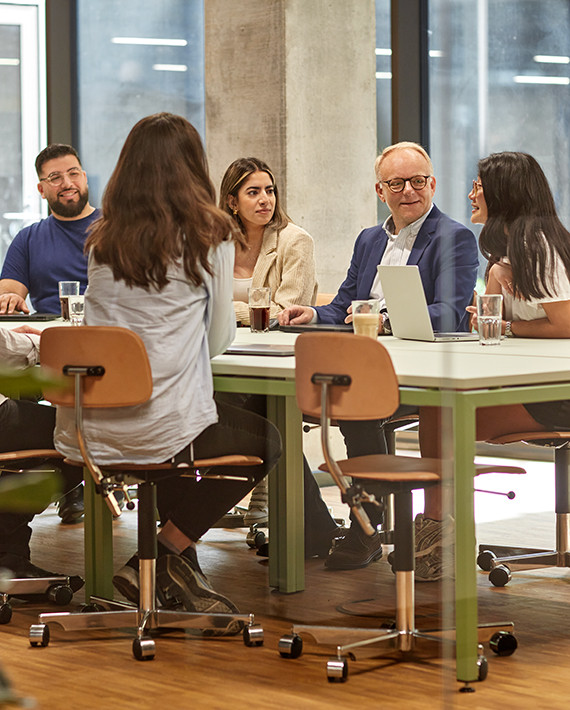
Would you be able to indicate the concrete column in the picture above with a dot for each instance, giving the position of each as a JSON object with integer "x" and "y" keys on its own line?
{"x": 293, "y": 82}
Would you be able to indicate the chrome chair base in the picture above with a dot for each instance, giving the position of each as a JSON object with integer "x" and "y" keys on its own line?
{"x": 402, "y": 638}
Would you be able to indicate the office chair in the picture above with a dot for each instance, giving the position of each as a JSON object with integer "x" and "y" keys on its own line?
{"x": 351, "y": 377}
{"x": 55, "y": 588}
{"x": 501, "y": 560}
{"x": 110, "y": 368}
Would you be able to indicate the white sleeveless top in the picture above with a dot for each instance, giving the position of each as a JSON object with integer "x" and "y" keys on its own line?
{"x": 241, "y": 287}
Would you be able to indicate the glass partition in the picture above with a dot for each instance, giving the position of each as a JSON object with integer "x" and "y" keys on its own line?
{"x": 134, "y": 59}
{"x": 22, "y": 116}
{"x": 499, "y": 76}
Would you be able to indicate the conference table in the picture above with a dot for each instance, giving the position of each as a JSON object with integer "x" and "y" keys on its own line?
{"x": 460, "y": 376}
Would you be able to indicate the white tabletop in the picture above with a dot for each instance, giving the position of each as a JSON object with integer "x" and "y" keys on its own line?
{"x": 455, "y": 365}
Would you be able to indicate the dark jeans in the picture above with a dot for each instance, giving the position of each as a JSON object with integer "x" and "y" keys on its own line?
{"x": 27, "y": 425}
{"x": 319, "y": 524}
{"x": 365, "y": 438}
{"x": 194, "y": 506}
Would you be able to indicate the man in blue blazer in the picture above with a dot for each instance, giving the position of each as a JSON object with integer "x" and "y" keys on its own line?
{"x": 445, "y": 251}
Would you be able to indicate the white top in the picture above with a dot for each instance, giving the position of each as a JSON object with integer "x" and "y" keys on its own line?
{"x": 182, "y": 327}
{"x": 557, "y": 282}
{"x": 19, "y": 350}
{"x": 241, "y": 288}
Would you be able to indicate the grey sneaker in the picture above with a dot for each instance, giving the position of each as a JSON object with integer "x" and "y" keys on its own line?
{"x": 432, "y": 534}
{"x": 434, "y": 538}
{"x": 257, "y": 512}
{"x": 178, "y": 580}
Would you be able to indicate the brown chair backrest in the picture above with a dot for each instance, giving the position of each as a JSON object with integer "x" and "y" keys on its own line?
{"x": 373, "y": 392}
{"x": 127, "y": 380}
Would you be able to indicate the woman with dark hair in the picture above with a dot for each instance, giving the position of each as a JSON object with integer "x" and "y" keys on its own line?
{"x": 160, "y": 263}
{"x": 528, "y": 250}
{"x": 274, "y": 252}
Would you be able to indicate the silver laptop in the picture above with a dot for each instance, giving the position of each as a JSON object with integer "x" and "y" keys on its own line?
{"x": 407, "y": 306}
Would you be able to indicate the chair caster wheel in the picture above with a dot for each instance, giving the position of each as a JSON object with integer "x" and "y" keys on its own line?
{"x": 253, "y": 635}
{"x": 143, "y": 648}
{"x": 39, "y": 635}
{"x": 255, "y": 538}
{"x": 5, "y": 613}
{"x": 482, "y": 668}
{"x": 485, "y": 560}
{"x": 60, "y": 594}
{"x": 503, "y": 643}
{"x": 337, "y": 670}
{"x": 500, "y": 575}
{"x": 290, "y": 646}
{"x": 91, "y": 608}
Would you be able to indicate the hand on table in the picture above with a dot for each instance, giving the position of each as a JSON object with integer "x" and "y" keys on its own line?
{"x": 295, "y": 315}
{"x": 12, "y": 302}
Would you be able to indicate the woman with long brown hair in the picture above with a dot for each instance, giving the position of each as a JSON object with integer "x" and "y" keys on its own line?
{"x": 161, "y": 264}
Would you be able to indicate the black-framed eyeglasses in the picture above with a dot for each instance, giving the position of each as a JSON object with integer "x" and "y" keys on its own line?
{"x": 56, "y": 179}
{"x": 417, "y": 182}
{"x": 476, "y": 187}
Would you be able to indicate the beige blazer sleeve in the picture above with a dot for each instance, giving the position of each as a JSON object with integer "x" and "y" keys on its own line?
{"x": 286, "y": 264}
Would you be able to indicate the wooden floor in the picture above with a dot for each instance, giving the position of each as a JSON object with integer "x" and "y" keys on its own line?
{"x": 97, "y": 670}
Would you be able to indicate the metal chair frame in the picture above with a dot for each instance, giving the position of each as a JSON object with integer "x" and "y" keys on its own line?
{"x": 120, "y": 377}
{"x": 333, "y": 383}
{"x": 501, "y": 560}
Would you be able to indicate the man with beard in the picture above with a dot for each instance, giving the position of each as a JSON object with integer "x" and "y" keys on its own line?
{"x": 45, "y": 253}
{"x": 50, "y": 250}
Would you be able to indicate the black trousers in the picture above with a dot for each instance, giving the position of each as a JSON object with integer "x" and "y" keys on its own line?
{"x": 194, "y": 506}
{"x": 27, "y": 425}
{"x": 319, "y": 524}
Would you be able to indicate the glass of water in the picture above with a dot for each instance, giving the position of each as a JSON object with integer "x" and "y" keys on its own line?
{"x": 489, "y": 317}
{"x": 76, "y": 309}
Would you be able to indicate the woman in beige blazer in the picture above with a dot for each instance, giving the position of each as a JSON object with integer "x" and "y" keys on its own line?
{"x": 276, "y": 252}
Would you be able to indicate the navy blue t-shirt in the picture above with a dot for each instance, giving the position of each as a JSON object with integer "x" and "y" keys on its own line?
{"x": 46, "y": 252}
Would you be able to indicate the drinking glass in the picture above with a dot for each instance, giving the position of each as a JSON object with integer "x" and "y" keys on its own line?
{"x": 76, "y": 309}
{"x": 366, "y": 317}
{"x": 259, "y": 303}
{"x": 66, "y": 289}
{"x": 489, "y": 316}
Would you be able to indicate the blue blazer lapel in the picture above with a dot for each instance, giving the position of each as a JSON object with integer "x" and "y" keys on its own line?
{"x": 424, "y": 236}
{"x": 369, "y": 269}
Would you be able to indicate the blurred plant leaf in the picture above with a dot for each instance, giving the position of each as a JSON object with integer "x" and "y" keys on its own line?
{"x": 31, "y": 381}
{"x": 29, "y": 492}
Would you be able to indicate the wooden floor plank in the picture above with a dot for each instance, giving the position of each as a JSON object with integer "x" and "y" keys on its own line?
{"x": 96, "y": 669}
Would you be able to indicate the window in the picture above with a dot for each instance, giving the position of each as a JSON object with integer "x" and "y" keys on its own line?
{"x": 134, "y": 59}
{"x": 499, "y": 79}
{"x": 22, "y": 116}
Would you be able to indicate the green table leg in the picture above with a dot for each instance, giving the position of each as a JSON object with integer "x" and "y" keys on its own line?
{"x": 286, "y": 518}
{"x": 98, "y": 543}
{"x": 465, "y": 541}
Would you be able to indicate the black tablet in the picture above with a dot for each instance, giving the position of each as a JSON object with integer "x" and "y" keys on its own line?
{"x": 317, "y": 327}
{"x": 28, "y": 317}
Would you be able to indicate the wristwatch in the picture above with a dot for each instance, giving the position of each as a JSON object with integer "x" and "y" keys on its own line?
{"x": 509, "y": 330}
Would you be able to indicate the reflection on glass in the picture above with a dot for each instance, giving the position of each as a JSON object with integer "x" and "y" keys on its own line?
{"x": 134, "y": 59}
{"x": 498, "y": 76}
{"x": 10, "y": 134}
{"x": 383, "y": 84}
